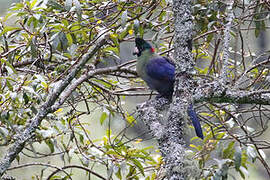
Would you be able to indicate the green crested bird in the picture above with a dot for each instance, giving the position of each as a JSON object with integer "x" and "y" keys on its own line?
{"x": 159, "y": 74}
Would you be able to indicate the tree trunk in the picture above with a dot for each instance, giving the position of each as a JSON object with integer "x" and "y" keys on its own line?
{"x": 171, "y": 135}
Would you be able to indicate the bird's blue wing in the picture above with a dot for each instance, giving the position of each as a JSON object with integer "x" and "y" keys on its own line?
{"x": 195, "y": 121}
{"x": 160, "y": 68}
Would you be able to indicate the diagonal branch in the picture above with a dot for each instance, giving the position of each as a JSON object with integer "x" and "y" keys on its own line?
{"x": 45, "y": 109}
{"x": 83, "y": 78}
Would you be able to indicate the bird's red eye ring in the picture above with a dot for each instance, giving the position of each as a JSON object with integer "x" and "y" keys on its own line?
{"x": 152, "y": 50}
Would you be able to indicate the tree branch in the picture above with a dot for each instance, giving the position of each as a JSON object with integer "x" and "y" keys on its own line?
{"x": 215, "y": 92}
{"x": 227, "y": 35}
{"x": 45, "y": 109}
{"x": 173, "y": 145}
{"x": 170, "y": 129}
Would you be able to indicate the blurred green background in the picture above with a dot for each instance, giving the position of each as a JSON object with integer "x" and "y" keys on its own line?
{"x": 4, "y": 4}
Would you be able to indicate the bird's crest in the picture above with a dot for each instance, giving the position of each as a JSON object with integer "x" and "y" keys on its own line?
{"x": 142, "y": 45}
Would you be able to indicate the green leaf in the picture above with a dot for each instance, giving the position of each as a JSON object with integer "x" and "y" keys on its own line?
{"x": 124, "y": 18}
{"x": 7, "y": 29}
{"x": 243, "y": 171}
{"x": 229, "y": 150}
{"x": 224, "y": 171}
{"x": 69, "y": 38}
{"x": 26, "y": 98}
{"x": 68, "y": 4}
{"x": 56, "y": 177}
{"x": 103, "y": 117}
{"x": 238, "y": 158}
{"x": 154, "y": 176}
{"x": 50, "y": 144}
{"x": 10, "y": 87}
{"x": 64, "y": 41}
{"x": 136, "y": 26}
{"x": 34, "y": 50}
{"x": 16, "y": 7}
{"x": 81, "y": 138}
{"x": 131, "y": 173}
{"x": 138, "y": 165}
{"x": 124, "y": 33}
{"x": 18, "y": 159}
{"x": 78, "y": 8}
{"x": 130, "y": 119}
{"x": 65, "y": 23}
{"x": 141, "y": 31}
{"x": 33, "y": 4}
{"x": 251, "y": 152}
{"x": 260, "y": 26}
{"x": 118, "y": 174}
{"x": 113, "y": 50}
{"x": 54, "y": 5}
{"x": 210, "y": 37}
{"x": 7, "y": 16}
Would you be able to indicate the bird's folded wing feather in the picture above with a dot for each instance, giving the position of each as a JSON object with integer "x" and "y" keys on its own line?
{"x": 160, "y": 68}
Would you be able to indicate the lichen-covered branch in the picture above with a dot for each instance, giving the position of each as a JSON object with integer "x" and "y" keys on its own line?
{"x": 173, "y": 145}
{"x": 45, "y": 109}
{"x": 83, "y": 78}
{"x": 151, "y": 113}
{"x": 170, "y": 133}
{"x": 216, "y": 92}
{"x": 227, "y": 35}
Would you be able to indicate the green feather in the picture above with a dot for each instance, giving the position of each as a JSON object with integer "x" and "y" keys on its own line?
{"x": 142, "y": 61}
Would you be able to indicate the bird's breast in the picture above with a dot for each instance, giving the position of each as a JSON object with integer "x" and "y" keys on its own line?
{"x": 141, "y": 68}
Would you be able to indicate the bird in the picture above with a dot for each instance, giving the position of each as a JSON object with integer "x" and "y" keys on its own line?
{"x": 159, "y": 74}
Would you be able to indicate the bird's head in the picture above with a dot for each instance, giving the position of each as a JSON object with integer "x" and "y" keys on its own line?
{"x": 142, "y": 45}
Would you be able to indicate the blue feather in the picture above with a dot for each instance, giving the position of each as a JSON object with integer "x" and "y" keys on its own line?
{"x": 195, "y": 121}
{"x": 160, "y": 68}
{"x": 159, "y": 74}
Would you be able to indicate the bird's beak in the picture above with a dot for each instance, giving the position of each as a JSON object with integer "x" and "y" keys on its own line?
{"x": 136, "y": 51}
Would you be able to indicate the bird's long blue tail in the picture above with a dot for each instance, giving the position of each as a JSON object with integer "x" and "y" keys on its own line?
{"x": 195, "y": 121}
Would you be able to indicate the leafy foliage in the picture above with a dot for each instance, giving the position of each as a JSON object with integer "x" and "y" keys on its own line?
{"x": 48, "y": 38}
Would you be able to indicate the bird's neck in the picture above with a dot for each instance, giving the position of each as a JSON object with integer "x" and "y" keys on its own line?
{"x": 142, "y": 61}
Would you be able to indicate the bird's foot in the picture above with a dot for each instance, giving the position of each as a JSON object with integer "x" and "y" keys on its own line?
{"x": 159, "y": 96}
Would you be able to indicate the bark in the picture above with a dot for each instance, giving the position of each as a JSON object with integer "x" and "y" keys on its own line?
{"x": 169, "y": 130}
{"x": 44, "y": 110}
